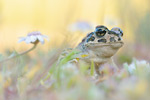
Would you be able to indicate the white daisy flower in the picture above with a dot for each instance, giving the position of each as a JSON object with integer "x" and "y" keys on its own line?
{"x": 137, "y": 65}
{"x": 131, "y": 67}
{"x": 34, "y": 37}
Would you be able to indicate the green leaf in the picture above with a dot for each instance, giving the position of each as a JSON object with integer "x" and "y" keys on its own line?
{"x": 13, "y": 54}
{"x": 92, "y": 68}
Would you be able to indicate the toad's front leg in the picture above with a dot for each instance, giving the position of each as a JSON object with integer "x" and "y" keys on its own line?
{"x": 98, "y": 72}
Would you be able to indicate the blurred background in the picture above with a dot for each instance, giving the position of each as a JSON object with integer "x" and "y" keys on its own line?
{"x": 68, "y": 21}
{"x": 38, "y": 76}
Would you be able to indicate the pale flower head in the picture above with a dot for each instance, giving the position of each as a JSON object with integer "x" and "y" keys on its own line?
{"x": 136, "y": 65}
{"x": 82, "y": 26}
{"x": 34, "y": 38}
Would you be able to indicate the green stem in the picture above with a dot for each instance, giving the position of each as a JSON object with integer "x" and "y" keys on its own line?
{"x": 17, "y": 55}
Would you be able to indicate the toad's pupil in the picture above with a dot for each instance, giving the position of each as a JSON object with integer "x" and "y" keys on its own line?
{"x": 92, "y": 38}
{"x": 100, "y": 32}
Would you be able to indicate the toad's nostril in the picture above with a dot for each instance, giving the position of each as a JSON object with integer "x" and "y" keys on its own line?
{"x": 112, "y": 39}
{"x": 102, "y": 40}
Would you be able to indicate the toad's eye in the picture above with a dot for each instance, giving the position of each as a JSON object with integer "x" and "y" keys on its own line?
{"x": 100, "y": 32}
{"x": 92, "y": 38}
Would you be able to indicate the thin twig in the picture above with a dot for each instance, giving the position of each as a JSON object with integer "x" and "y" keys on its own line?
{"x": 17, "y": 55}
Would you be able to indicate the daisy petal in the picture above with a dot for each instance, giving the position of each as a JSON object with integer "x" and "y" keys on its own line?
{"x": 21, "y": 39}
{"x": 46, "y": 37}
{"x": 33, "y": 38}
{"x": 42, "y": 42}
{"x": 28, "y": 40}
{"x": 40, "y": 38}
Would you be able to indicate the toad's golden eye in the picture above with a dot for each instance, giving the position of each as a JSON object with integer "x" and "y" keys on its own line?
{"x": 92, "y": 38}
{"x": 100, "y": 32}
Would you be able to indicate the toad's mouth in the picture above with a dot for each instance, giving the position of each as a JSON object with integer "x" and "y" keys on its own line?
{"x": 116, "y": 44}
{"x": 103, "y": 44}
